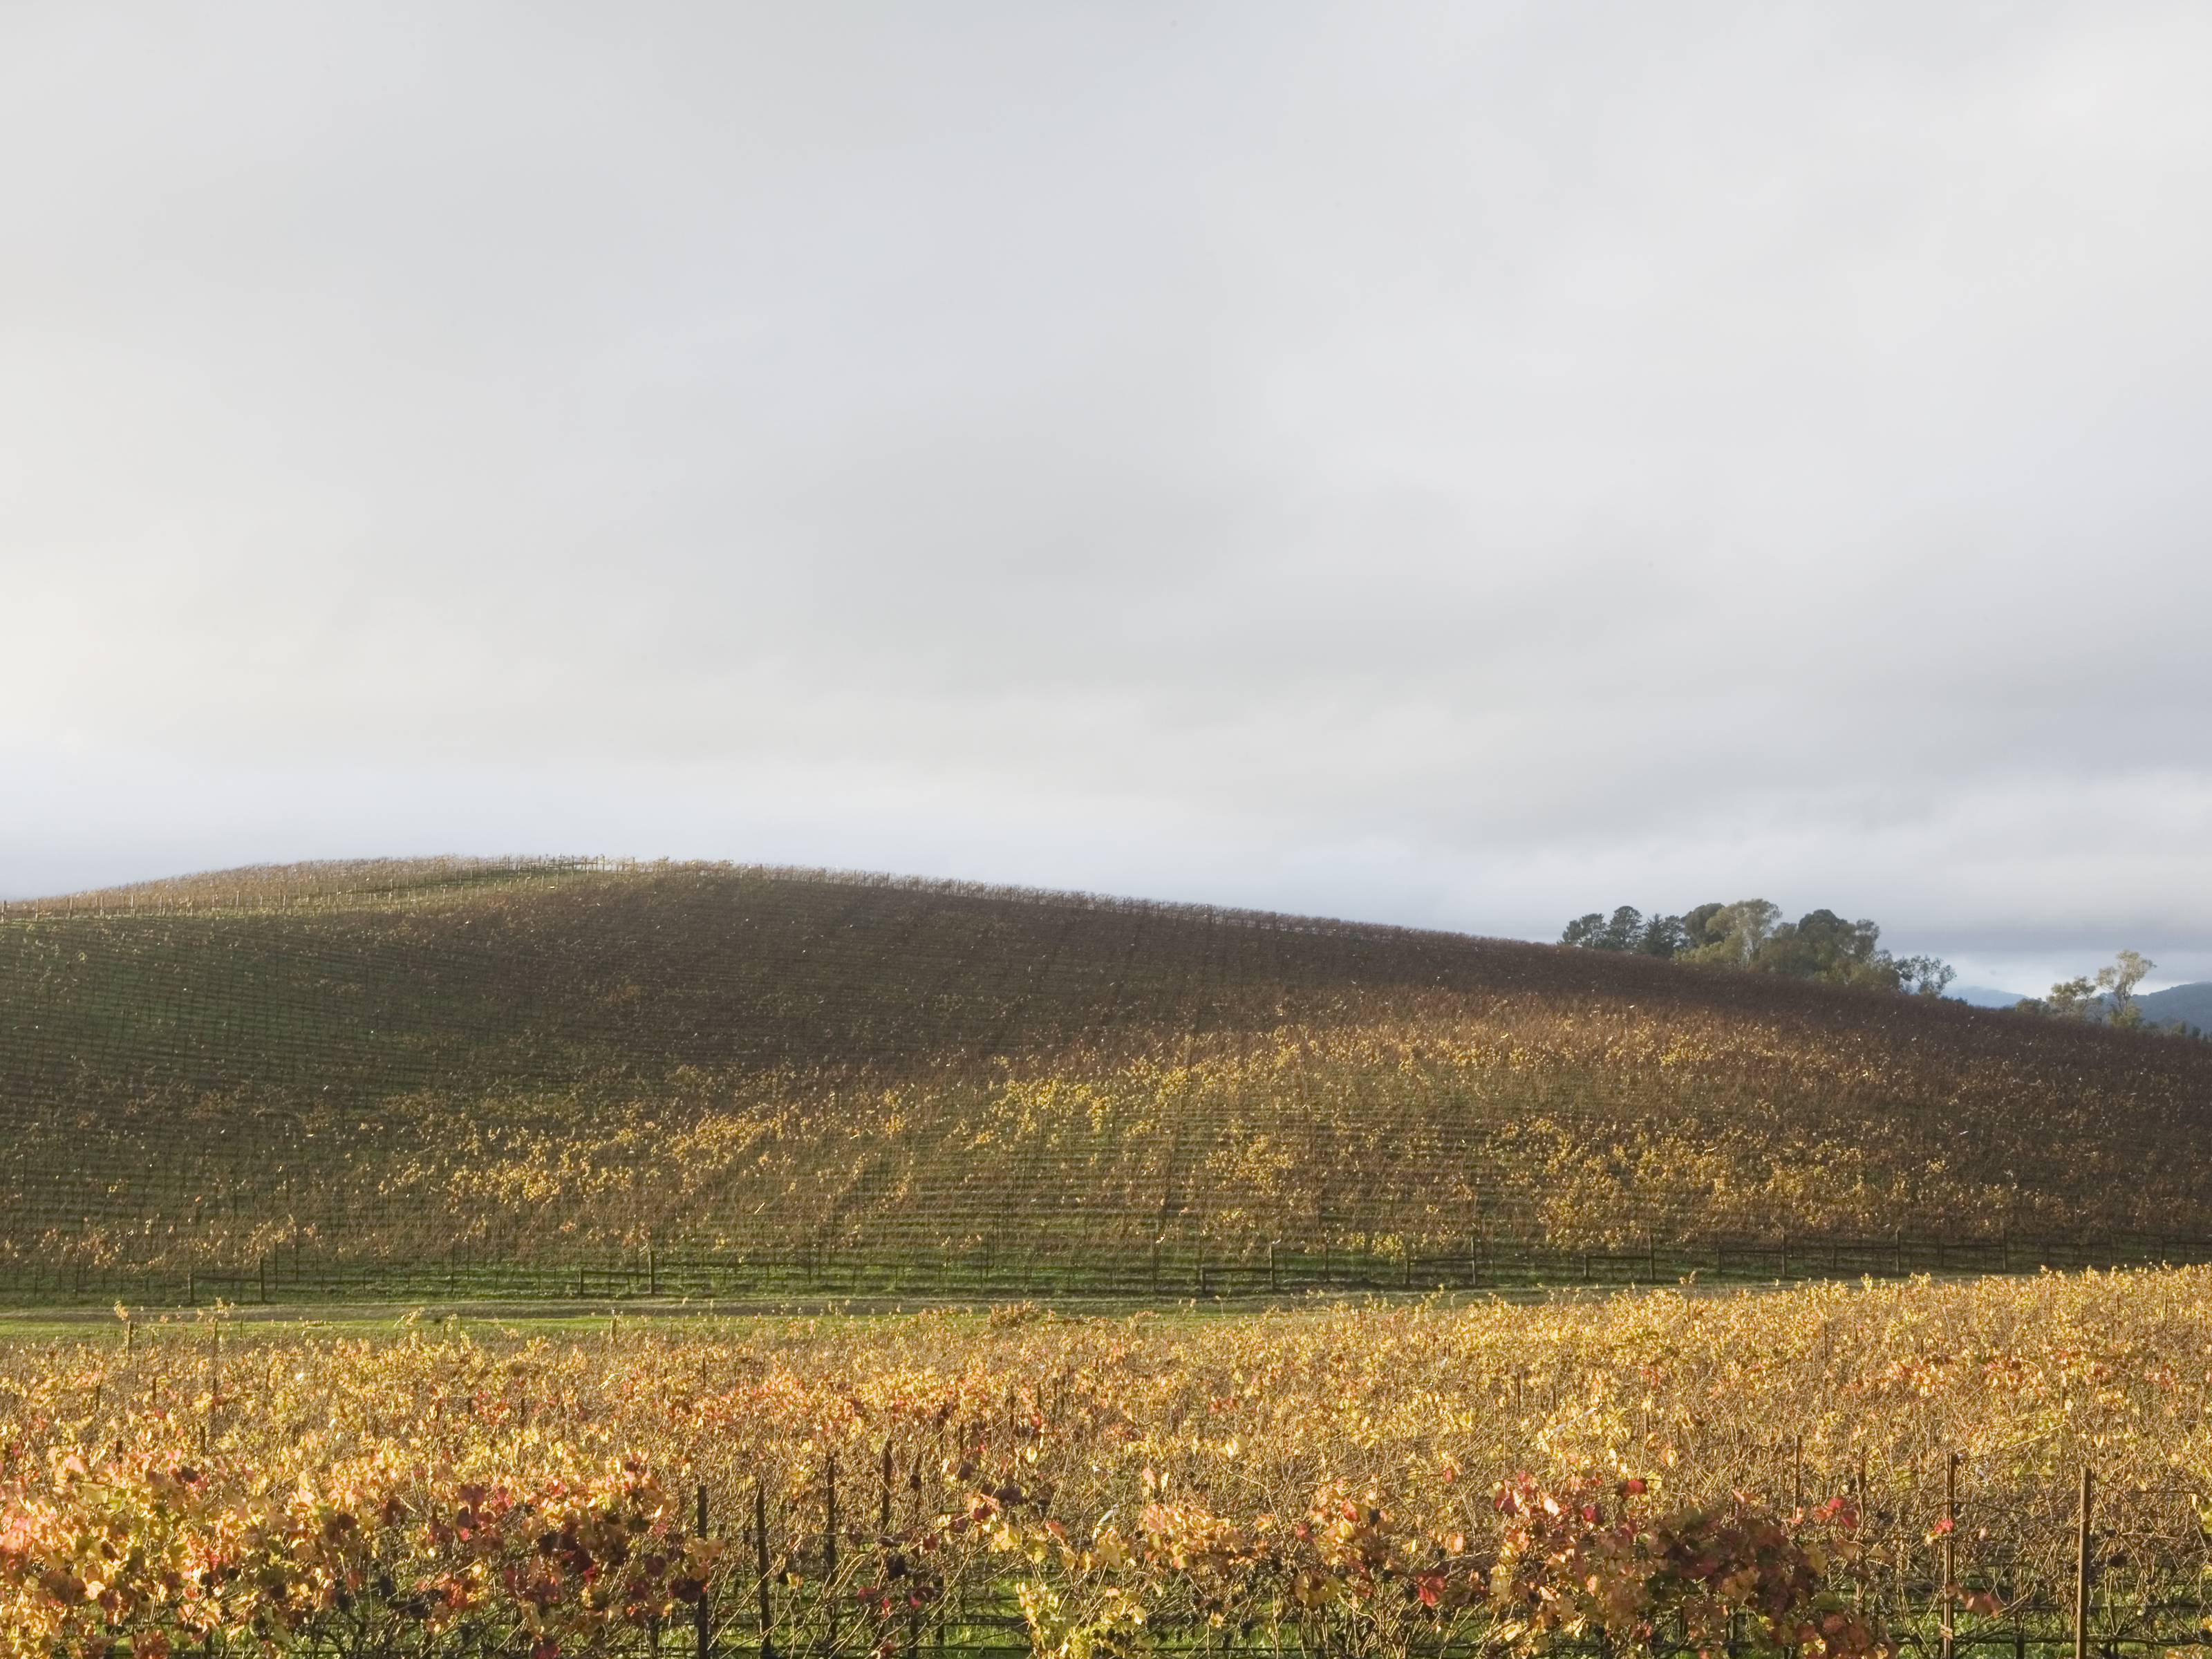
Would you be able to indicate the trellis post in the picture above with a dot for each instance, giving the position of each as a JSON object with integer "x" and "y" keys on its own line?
{"x": 829, "y": 1543}
{"x": 760, "y": 1562}
{"x": 703, "y": 1617}
{"x": 1950, "y": 1550}
{"x": 2082, "y": 1569}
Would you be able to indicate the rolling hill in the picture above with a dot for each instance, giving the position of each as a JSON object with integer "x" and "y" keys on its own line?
{"x": 504, "y": 1064}
{"x": 2178, "y": 1005}
{"x": 1983, "y": 996}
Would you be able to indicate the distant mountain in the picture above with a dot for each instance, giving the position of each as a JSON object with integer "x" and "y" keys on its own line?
{"x": 1983, "y": 996}
{"x": 2180, "y": 1005}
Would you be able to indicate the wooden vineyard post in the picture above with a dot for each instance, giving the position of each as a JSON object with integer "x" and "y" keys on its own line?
{"x": 1950, "y": 1550}
{"x": 760, "y": 1562}
{"x": 701, "y": 1615}
{"x": 1274, "y": 1283}
{"x": 829, "y": 1544}
{"x": 913, "y": 1525}
{"x": 1650, "y": 1257}
{"x": 884, "y": 1510}
{"x": 2082, "y": 1571}
{"x": 1797, "y": 1478}
{"x": 1785, "y": 1255}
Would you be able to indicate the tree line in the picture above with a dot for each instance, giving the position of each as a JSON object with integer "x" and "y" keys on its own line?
{"x": 2108, "y": 994}
{"x": 1821, "y": 945}
{"x": 1752, "y": 934}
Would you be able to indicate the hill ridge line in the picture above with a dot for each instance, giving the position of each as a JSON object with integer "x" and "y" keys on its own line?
{"x": 445, "y": 873}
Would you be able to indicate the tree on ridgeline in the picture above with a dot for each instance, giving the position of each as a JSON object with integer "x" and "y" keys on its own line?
{"x": 1733, "y": 935}
{"x": 1623, "y": 931}
{"x": 1750, "y": 934}
{"x": 2108, "y": 994}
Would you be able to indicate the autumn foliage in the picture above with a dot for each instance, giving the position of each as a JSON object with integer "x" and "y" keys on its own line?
{"x": 489, "y": 1065}
{"x": 163, "y": 1553}
{"x": 1655, "y": 1470}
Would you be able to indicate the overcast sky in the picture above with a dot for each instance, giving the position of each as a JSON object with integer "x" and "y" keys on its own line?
{"x": 1463, "y": 465}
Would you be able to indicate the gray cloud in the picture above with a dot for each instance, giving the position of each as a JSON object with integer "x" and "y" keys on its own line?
{"x": 1464, "y": 464}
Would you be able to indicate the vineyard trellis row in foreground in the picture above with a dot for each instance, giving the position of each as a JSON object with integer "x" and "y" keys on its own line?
{"x": 1831, "y": 1472}
{"x": 785, "y": 1576}
{"x": 814, "y": 1585}
{"x": 752, "y": 1618}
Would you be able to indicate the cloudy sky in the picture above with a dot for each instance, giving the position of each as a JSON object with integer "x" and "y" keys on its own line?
{"x": 1463, "y": 465}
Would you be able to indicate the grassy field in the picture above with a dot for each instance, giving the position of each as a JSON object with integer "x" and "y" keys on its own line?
{"x": 1352, "y": 1479}
{"x": 694, "y": 1080}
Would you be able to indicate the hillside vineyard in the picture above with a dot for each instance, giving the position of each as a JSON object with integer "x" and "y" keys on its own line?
{"x": 473, "y": 1067}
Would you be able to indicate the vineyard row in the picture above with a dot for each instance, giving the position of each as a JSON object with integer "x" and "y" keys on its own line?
{"x": 1030, "y": 1267}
